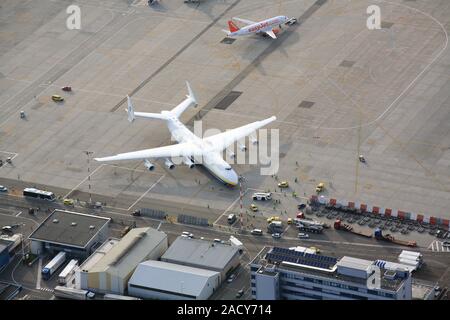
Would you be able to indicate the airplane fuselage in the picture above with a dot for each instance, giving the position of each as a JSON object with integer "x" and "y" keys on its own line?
{"x": 262, "y": 26}
{"x": 212, "y": 161}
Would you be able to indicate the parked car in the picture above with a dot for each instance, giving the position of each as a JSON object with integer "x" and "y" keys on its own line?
{"x": 276, "y": 235}
{"x": 231, "y": 278}
{"x": 68, "y": 202}
{"x": 303, "y": 235}
{"x": 240, "y": 293}
{"x": 253, "y": 207}
{"x": 283, "y": 184}
{"x": 3, "y": 189}
{"x": 57, "y": 98}
{"x": 446, "y": 244}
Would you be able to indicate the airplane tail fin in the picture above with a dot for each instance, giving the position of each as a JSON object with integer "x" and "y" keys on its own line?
{"x": 132, "y": 115}
{"x": 232, "y": 26}
{"x": 190, "y": 100}
{"x": 130, "y": 110}
{"x": 191, "y": 93}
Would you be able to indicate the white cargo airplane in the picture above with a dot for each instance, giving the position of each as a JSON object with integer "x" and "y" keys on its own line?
{"x": 190, "y": 148}
{"x": 252, "y": 27}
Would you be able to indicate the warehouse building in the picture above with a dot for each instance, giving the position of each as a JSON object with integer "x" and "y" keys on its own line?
{"x": 75, "y": 233}
{"x": 168, "y": 281}
{"x": 203, "y": 254}
{"x": 281, "y": 273}
{"x": 109, "y": 268}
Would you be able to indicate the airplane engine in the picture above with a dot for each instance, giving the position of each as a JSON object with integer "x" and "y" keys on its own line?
{"x": 150, "y": 166}
{"x": 188, "y": 162}
{"x": 169, "y": 164}
{"x": 242, "y": 147}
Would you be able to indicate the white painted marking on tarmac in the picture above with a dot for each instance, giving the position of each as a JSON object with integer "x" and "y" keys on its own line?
{"x": 159, "y": 226}
{"x": 255, "y": 256}
{"x": 18, "y": 214}
{"x": 145, "y": 193}
{"x": 229, "y": 207}
{"x": 82, "y": 181}
{"x": 38, "y": 280}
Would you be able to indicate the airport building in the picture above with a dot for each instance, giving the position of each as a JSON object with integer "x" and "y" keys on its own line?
{"x": 167, "y": 281}
{"x": 110, "y": 267}
{"x": 281, "y": 273}
{"x": 202, "y": 254}
{"x": 78, "y": 234}
{"x": 4, "y": 254}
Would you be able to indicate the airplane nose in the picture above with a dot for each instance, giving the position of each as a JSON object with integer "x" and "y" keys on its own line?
{"x": 233, "y": 177}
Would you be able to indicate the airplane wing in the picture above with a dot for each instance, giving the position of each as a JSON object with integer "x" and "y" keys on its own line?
{"x": 187, "y": 149}
{"x": 247, "y": 22}
{"x": 223, "y": 140}
{"x": 271, "y": 34}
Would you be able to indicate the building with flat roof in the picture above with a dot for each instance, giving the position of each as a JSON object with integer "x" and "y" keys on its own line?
{"x": 281, "y": 273}
{"x": 203, "y": 254}
{"x": 168, "y": 281}
{"x": 109, "y": 268}
{"x": 75, "y": 233}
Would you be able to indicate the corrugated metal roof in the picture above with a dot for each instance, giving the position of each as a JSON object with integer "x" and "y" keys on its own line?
{"x": 171, "y": 277}
{"x": 200, "y": 253}
{"x": 133, "y": 248}
{"x": 354, "y": 263}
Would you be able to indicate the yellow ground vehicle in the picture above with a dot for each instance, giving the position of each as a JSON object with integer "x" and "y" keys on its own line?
{"x": 317, "y": 250}
{"x": 57, "y": 98}
{"x": 290, "y": 221}
{"x": 253, "y": 207}
{"x": 68, "y": 202}
{"x": 273, "y": 218}
{"x": 283, "y": 184}
{"x": 320, "y": 187}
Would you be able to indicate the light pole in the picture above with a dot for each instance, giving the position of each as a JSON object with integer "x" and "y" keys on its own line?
{"x": 88, "y": 154}
{"x": 241, "y": 196}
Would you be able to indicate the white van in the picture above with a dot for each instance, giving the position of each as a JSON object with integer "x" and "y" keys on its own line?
{"x": 257, "y": 232}
{"x": 231, "y": 218}
{"x": 262, "y": 196}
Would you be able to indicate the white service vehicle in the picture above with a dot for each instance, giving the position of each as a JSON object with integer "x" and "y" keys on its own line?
{"x": 262, "y": 196}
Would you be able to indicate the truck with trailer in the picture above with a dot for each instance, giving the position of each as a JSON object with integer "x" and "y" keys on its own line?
{"x": 53, "y": 265}
{"x": 111, "y": 296}
{"x": 275, "y": 227}
{"x": 338, "y": 225}
{"x": 387, "y": 237}
{"x": 68, "y": 271}
{"x": 313, "y": 228}
{"x": 73, "y": 293}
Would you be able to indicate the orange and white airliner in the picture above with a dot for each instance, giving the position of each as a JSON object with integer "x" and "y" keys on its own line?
{"x": 266, "y": 26}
